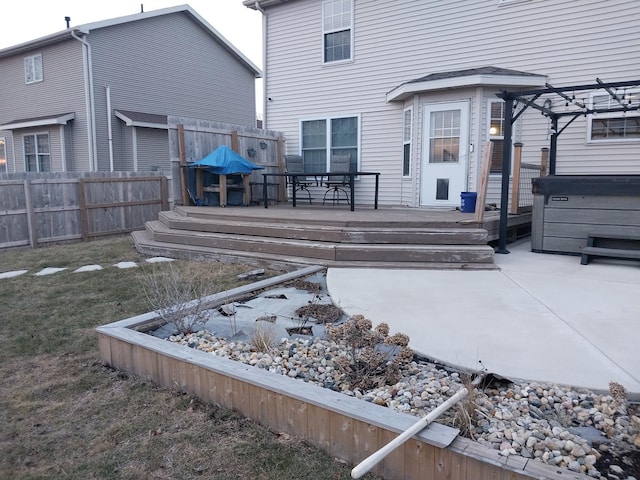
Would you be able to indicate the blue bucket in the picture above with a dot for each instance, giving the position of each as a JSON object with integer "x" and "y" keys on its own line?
{"x": 468, "y": 202}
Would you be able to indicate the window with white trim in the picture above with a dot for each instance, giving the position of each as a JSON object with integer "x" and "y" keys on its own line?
{"x": 407, "y": 130}
{"x": 33, "y": 71}
{"x": 3, "y": 155}
{"x": 613, "y": 126}
{"x": 496, "y": 134}
{"x": 337, "y": 30}
{"x": 37, "y": 156}
{"x": 324, "y": 137}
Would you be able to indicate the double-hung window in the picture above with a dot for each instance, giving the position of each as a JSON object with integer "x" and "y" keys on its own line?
{"x": 496, "y": 134}
{"x": 613, "y": 126}
{"x": 37, "y": 156}
{"x": 33, "y": 69}
{"x": 3, "y": 155}
{"x": 406, "y": 142}
{"x": 337, "y": 30}
{"x": 322, "y": 138}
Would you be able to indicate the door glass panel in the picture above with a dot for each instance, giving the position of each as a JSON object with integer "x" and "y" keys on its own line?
{"x": 442, "y": 189}
{"x": 444, "y": 137}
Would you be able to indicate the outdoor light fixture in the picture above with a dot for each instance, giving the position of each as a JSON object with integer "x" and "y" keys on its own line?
{"x": 263, "y": 145}
{"x": 493, "y": 131}
{"x": 251, "y": 152}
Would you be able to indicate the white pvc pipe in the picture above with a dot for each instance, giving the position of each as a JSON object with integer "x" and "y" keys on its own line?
{"x": 377, "y": 456}
{"x": 109, "y": 129}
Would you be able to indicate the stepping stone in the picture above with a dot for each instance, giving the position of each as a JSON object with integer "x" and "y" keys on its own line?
{"x": 88, "y": 268}
{"x": 48, "y": 271}
{"x": 126, "y": 265}
{"x": 159, "y": 259}
{"x": 15, "y": 273}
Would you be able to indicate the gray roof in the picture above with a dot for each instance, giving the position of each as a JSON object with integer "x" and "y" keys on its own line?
{"x": 55, "y": 119}
{"x": 141, "y": 119}
{"x": 472, "y": 71}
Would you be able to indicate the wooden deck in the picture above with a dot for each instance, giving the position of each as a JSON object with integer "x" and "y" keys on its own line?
{"x": 329, "y": 236}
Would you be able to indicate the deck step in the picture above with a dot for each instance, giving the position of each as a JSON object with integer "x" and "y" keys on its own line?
{"x": 328, "y": 233}
{"x": 320, "y": 251}
{"x": 147, "y": 245}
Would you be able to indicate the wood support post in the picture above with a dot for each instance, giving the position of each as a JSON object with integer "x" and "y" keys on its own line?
{"x": 183, "y": 165}
{"x": 515, "y": 180}
{"x": 544, "y": 162}
{"x": 487, "y": 152}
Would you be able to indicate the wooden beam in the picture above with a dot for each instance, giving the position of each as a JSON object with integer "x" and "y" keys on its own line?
{"x": 485, "y": 167}
{"x": 183, "y": 165}
{"x": 515, "y": 180}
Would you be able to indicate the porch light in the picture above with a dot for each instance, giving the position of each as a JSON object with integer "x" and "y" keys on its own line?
{"x": 493, "y": 131}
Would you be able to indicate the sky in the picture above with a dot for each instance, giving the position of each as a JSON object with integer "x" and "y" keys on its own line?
{"x": 25, "y": 20}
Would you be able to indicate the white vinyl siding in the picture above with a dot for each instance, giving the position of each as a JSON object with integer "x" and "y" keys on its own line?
{"x": 396, "y": 42}
{"x": 33, "y": 71}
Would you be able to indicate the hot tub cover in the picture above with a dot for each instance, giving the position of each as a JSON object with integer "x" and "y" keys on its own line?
{"x": 225, "y": 161}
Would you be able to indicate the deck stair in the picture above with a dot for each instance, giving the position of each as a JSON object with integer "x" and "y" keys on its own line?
{"x": 344, "y": 241}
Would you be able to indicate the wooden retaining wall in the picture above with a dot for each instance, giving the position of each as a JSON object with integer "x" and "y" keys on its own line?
{"x": 346, "y": 427}
{"x": 42, "y": 208}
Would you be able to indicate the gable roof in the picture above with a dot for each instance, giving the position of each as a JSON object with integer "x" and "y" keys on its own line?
{"x": 57, "y": 119}
{"x": 88, "y": 27}
{"x": 470, "y": 77}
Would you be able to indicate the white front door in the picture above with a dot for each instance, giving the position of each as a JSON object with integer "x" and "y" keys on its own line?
{"x": 445, "y": 153}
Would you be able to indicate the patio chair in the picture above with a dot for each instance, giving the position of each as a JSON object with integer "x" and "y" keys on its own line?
{"x": 295, "y": 164}
{"x": 337, "y": 184}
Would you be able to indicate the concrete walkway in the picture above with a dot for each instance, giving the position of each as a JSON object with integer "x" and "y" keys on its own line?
{"x": 540, "y": 317}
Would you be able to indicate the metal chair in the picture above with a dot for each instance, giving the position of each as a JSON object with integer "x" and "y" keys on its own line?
{"x": 295, "y": 164}
{"x": 337, "y": 184}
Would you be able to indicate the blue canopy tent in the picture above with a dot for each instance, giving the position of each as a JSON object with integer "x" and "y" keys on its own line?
{"x": 222, "y": 162}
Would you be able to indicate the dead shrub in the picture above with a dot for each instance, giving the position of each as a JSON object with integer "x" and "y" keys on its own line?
{"x": 370, "y": 358}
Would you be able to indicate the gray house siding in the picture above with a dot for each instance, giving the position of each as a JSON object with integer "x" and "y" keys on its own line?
{"x": 166, "y": 65}
{"x": 396, "y": 42}
{"x": 153, "y": 149}
{"x": 58, "y": 93}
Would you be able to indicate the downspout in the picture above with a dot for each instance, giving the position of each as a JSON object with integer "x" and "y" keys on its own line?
{"x": 109, "y": 131}
{"x": 264, "y": 63}
{"x": 88, "y": 90}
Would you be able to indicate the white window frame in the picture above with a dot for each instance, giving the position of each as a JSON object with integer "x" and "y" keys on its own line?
{"x": 600, "y": 116}
{"x": 407, "y": 140}
{"x": 328, "y": 30}
{"x": 3, "y": 155}
{"x": 490, "y": 137}
{"x": 328, "y": 146}
{"x": 32, "y": 62}
{"x": 37, "y": 154}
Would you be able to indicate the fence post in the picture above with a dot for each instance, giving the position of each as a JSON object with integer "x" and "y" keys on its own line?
{"x": 235, "y": 143}
{"x": 282, "y": 182}
{"x": 84, "y": 214}
{"x": 183, "y": 165}
{"x": 544, "y": 161}
{"x": 164, "y": 193}
{"x": 33, "y": 240}
{"x": 515, "y": 180}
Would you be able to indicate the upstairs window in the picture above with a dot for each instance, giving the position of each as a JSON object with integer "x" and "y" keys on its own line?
{"x": 613, "y": 126}
{"x": 37, "y": 156}
{"x": 325, "y": 137}
{"x": 33, "y": 69}
{"x": 337, "y": 30}
{"x": 406, "y": 142}
{"x": 3, "y": 155}
{"x": 496, "y": 134}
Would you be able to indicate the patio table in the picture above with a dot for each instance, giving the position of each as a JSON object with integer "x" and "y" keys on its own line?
{"x": 294, "y": 181}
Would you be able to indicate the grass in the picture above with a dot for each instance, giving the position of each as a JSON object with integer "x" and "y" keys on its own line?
{"x": 65, "y": 415}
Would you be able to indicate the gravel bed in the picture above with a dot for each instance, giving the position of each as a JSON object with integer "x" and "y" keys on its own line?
{"x": 594, "y": 434}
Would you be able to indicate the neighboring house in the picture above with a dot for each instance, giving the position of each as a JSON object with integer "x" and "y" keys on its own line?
{"x": 96, "y": 97}
{"x": 408, "y": 87}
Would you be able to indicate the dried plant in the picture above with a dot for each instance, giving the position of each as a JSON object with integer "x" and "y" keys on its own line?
{"x": 466, "y": 410}
{"x": 177, "y": 294}
{"x": 370, "y": 358}
{"x": 620, "y": 397}
{"x": 264, "y": 334}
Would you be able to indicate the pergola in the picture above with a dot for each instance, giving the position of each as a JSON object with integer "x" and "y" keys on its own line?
{"x": 517, "y": 102}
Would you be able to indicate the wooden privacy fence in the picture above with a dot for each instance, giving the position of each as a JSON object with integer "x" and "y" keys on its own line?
{"x": 42, "y": 208}
{"x": 192, "y": 139}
